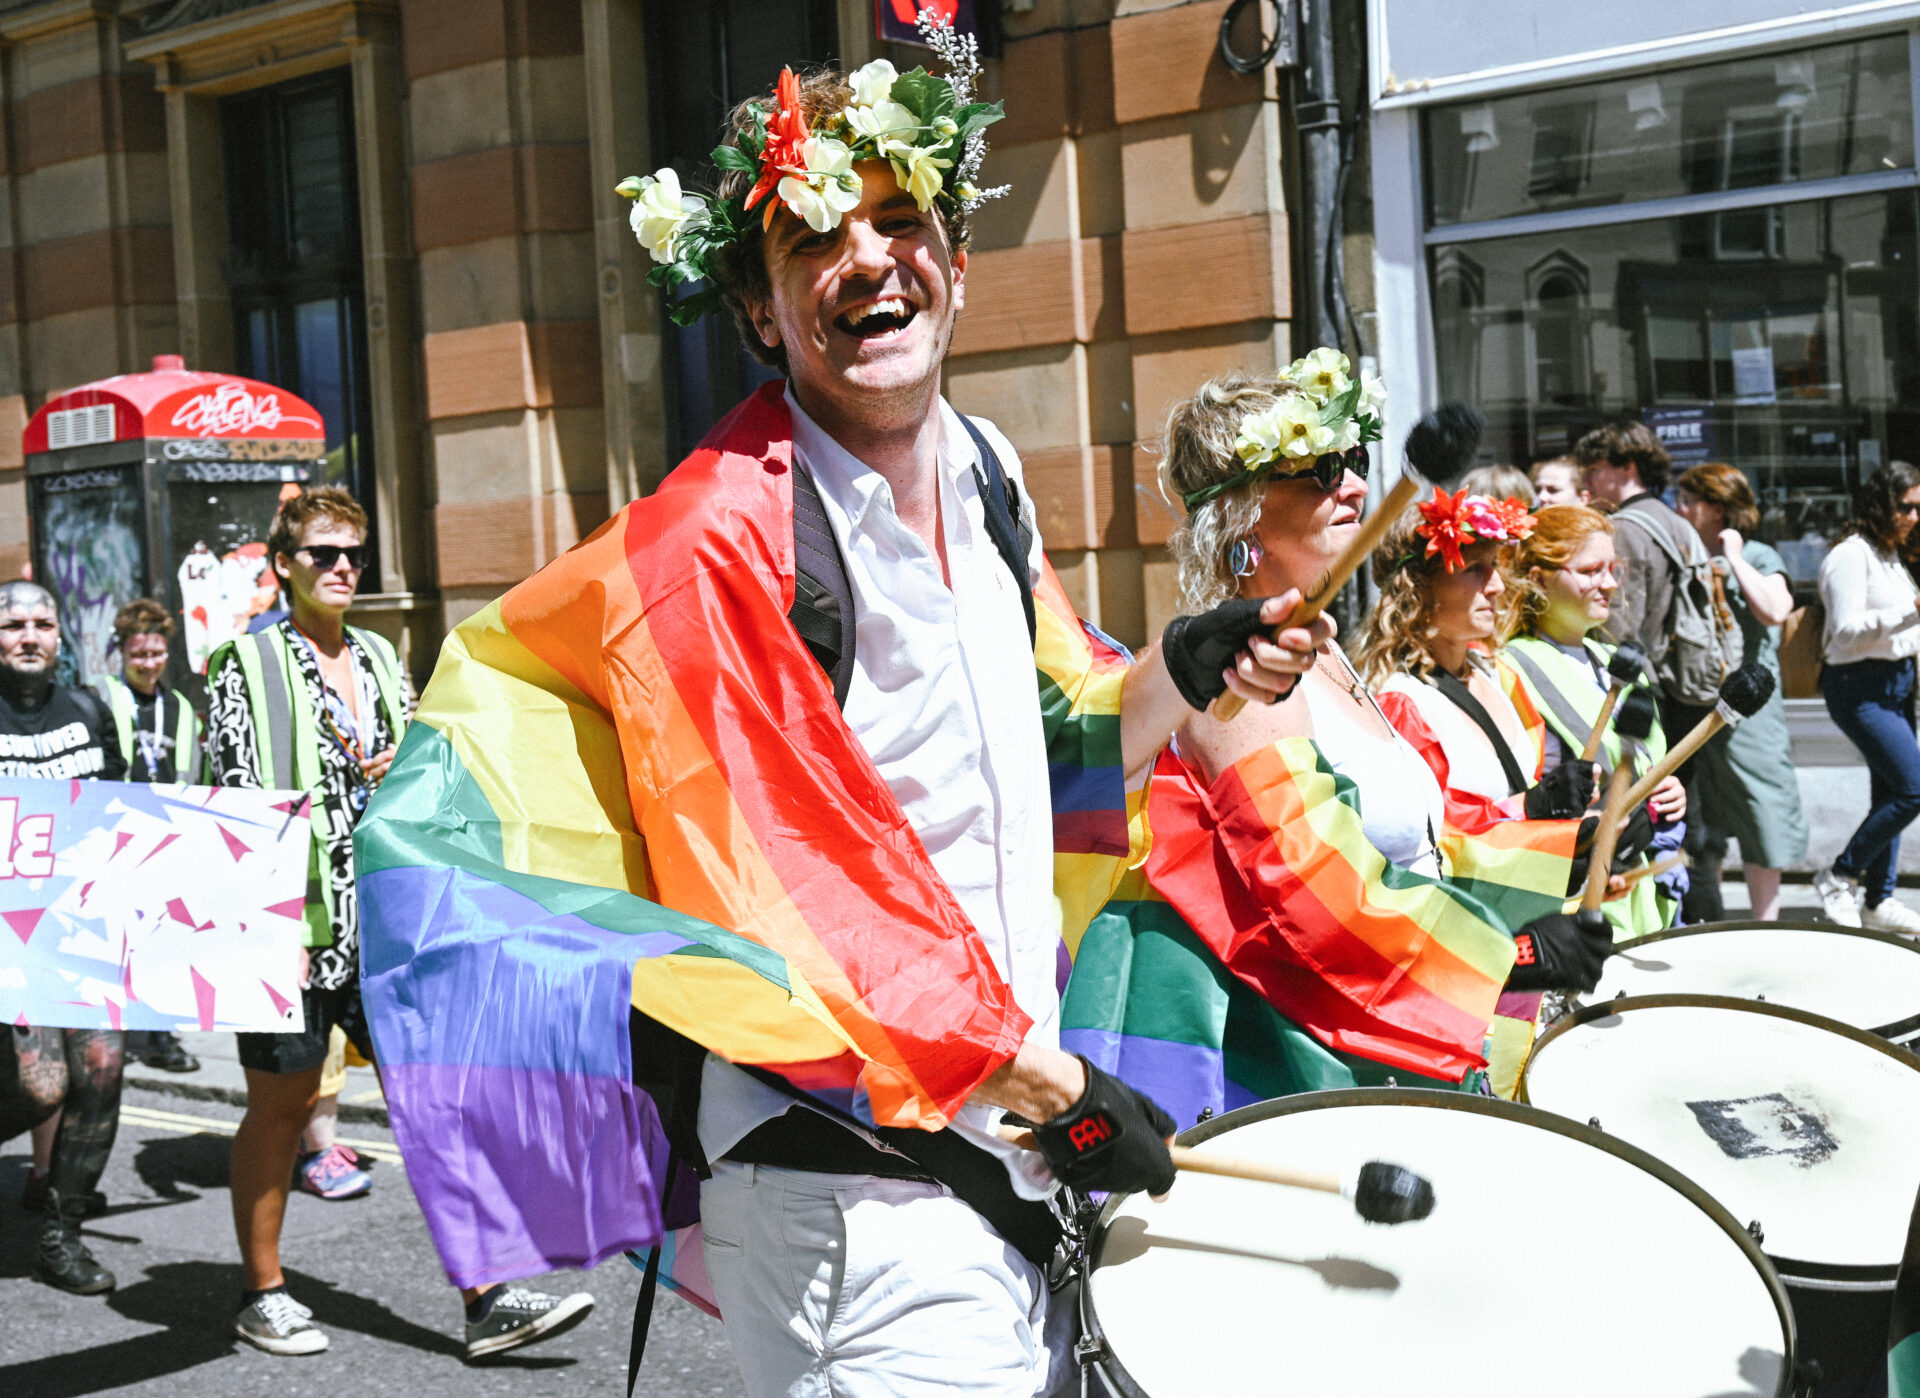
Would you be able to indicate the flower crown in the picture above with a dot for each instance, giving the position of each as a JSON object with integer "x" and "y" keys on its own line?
{"x": 928, "y": 128}
{"x": 1333, "y": 413}
{"x": 1450, "y": 523}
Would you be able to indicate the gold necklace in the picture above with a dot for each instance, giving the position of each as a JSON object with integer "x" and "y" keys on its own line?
{"x": 1351, "y": 682}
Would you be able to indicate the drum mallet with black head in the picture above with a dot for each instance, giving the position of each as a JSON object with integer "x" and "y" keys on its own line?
{"x": 1743, "y": 695}
{"x": 1379, "y": 1192}
{"x": 1439, "y": 450}
{"x": 1629, "y": 663}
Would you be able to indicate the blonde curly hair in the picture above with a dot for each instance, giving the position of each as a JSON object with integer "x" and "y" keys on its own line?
{"x": 1197, "y": 452}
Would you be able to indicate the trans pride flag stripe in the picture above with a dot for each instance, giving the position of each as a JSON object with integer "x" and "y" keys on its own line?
{"x": 628, "y": 785}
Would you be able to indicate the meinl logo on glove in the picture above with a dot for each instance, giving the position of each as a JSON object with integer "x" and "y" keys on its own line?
{"x": 1094, "y": 1131}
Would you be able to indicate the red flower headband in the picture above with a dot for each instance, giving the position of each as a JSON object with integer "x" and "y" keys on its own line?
{"x": 1453, "y": 522}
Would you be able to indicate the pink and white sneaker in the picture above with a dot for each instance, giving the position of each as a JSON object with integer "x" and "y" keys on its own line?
{"x": 333, "y": 1173}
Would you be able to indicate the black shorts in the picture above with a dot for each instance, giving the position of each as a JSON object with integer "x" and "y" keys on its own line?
{"x": 307, "y": 1050}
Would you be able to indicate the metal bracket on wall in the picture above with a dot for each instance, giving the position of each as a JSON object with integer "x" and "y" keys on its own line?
{"x": 1282, "y": 48}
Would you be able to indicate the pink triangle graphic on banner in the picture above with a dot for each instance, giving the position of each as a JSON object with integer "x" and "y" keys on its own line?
{"x": 113, "y": 1013}
{"x": 293, "y": 907}
{"x": 23, "y": 921}
{"x": 121, "y": 839}
{"x": 177, "y": 910}
{"x": 165, "y": 840}
{"x": 20, "y": 1021}
{"x": 73, "y": 794}
{"x": 203, "y": 997}
{"x": 233, "y": 844}
{"x": 280, "y": 1002}
{"x": 126, "y": 982}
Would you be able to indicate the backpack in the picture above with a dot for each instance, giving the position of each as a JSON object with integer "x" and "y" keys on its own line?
{"x": 1704, "y": 645}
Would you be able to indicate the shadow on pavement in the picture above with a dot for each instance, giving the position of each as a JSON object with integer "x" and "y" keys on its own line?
{"x": 165, "y": 1163}
{"x": 194, "y": 1303}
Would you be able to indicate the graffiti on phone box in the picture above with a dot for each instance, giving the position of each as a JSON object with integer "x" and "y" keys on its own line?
{"x": 231, "y": 409}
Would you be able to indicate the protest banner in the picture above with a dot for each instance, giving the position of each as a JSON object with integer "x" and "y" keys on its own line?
{"x": 129, "y": 906}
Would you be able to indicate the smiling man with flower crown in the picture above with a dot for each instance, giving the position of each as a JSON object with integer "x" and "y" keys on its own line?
{"x": 773, "y": 719}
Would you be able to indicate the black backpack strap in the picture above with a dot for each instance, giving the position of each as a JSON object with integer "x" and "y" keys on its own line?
{"x": 1006, "y": 526}
{"x": 822, "y": 610}
{"x": 1456, "y": 689}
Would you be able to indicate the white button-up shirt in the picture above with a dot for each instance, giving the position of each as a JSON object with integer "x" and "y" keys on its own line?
{"x": 944, "y": 700}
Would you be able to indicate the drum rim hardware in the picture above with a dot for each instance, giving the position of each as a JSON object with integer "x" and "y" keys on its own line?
{"x": 1794, "y": 1271}
{"x": 1097, "y": 1350}
{"x": 1899, "y": 1029}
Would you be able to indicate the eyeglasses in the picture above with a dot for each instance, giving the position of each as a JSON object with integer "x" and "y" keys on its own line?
{"x": 324, "y": 556}
{"x": 1328, "y": 471}
{"x": 1907, "y": 507}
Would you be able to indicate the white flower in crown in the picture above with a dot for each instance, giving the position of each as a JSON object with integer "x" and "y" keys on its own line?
{"x": 1325, "y": 374}
{"x": 1343, "y": 435}
{"x": 873, "y": 84}
{"x": 1373, "y": 397}
{"x": 660, "y": 212}
{"x": 919, "y": 174}
{"x": 1290, "y": 428}
{"x": 886, "y": 124}
{"x": 829, "y": 187}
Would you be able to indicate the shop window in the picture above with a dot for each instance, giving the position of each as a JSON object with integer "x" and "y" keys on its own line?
{"x": 704, "y": 60}
{"x": 294, "y": 261}
{"x": 1460, "y": 286}
{"x": 1748, "y": 123}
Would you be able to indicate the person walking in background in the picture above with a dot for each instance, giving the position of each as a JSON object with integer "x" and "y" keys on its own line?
{"x": 61, "y": 1084}
{"x": 312, "y": 704}
{"x": 159, "y": 737}
{"x": 1871, "y": 637}
{"x": 1556, "y": 481}
{"x": 1746, "y": 784}
{"x": 1498, "y": 483}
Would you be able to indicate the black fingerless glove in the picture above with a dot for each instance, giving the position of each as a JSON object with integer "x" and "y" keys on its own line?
{"x": 1636, "y": 833}
{"x": 1113, "y": 1139}
{"x": 1561, "y": 952}
{"x": 1563, "y": 794}
{"x": 1198, "y": 649}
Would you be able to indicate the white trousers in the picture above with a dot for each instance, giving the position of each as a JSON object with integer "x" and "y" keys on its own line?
{"x": 848, "y": 1286}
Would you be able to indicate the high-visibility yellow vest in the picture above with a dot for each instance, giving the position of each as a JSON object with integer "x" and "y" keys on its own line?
{"x": 287, "y": 739}
{"x": 186, "y": 726}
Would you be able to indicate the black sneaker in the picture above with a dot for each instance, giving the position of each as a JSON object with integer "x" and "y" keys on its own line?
{"x": 520, "y": 1317}
{"x": 167, "y": 1053}
{"x": 33, "y": 1198}
{"x": 61, "y": 1259}
{"x": 278, "y": 1324}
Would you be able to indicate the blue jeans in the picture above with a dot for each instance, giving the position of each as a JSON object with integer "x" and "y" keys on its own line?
{"x": 1872, "y": 702}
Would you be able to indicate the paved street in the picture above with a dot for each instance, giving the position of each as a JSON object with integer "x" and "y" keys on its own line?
{"x": 365, "y": 1266}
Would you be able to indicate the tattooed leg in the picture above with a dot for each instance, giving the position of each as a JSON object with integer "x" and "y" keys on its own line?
{"x": 95, "y": 1058}
{"x": 33, "y": 1077}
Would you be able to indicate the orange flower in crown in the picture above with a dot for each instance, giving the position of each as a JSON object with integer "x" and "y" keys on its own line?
{"x": 786, "y": 141}
{"x": 1451, "y": 523}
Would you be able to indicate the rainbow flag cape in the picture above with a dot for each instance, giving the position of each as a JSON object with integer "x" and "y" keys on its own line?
{"x": 628, "y": 787}
{"x": 1271, "y": 871}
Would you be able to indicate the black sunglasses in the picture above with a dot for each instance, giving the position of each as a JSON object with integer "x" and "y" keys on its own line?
{"x": 1327, "y": 471}
{"x": 324, "y": 556}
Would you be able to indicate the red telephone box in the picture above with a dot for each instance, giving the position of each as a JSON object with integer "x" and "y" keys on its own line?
{"x": 163, "y": 485}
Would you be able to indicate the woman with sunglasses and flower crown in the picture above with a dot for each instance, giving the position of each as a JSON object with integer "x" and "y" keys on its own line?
{"x": 1309, "y": 916}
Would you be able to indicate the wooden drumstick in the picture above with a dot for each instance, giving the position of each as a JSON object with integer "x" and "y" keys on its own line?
{"x": 1382, "y": 1193}
{"x": 1666, "y": 864}
{"x": 1743, "y": 695}
{"x": 1439, "y": 449}
{"x": 1605, "y": 837}
{"x": 1628, "y": 664}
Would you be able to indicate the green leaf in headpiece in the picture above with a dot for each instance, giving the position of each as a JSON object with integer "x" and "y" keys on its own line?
{"x": 729, "y": 157}
{"x": 927, "y": 97}
{"x": 1337, "y": 409}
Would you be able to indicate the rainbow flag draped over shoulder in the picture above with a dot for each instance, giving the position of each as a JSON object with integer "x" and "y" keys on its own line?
{"x": 628, "y": 785}
{"x": 1270, "y": 869}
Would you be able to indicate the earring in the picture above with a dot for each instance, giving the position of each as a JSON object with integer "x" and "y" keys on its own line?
{"x": 1243, "y": 557}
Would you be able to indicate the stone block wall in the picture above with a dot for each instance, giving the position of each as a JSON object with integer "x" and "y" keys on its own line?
{"x": 1143, "y": 249}
{"x": 86, "y": 252}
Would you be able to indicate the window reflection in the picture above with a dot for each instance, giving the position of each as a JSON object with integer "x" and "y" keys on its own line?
{"x": 1793, "y": 363}
{"x": 1840, "y": 110}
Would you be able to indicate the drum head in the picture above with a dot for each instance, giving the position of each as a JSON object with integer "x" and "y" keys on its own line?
{"x": 1802, "y": 1124}
{"x": 1553, "y": 1256}
{"x": 1870, "y": 980}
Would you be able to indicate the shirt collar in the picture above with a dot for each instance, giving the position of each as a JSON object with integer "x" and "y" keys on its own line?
{"x": 855, "y": 486}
